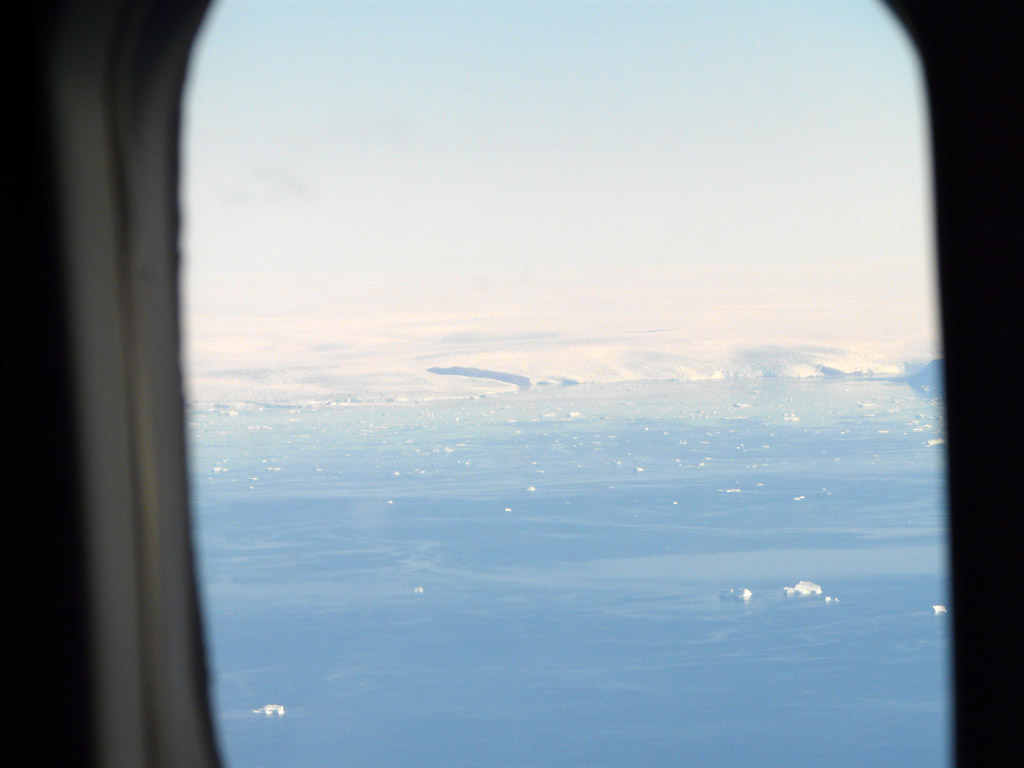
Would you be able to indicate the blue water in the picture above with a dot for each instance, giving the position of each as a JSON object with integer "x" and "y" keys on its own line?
{"x": 385, "y": 573}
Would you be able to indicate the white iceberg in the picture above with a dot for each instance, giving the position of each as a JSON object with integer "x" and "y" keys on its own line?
{"x": 939, "y": 609}
{"x": 804, "y": 588}
{"x": 270, "y": 709}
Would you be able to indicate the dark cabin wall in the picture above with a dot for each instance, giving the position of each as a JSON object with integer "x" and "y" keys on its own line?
{"x": 971, "y": 52}
{"x": 44, "y": 634}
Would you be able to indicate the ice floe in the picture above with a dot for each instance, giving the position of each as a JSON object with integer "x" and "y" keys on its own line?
{"x": 803, "y": 588}
{"x": 939, "y": 609}
{"x": 270, "y": 709}
{"x": 739, "y": 593}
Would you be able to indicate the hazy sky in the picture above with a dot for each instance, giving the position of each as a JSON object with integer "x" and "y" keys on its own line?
{"x": 458, "y": 154}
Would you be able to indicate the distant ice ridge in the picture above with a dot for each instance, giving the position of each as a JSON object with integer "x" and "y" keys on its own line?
{"x": 270, "y": 709}
{"x": 396, "y": 370}
{"x": 803, "y": 588}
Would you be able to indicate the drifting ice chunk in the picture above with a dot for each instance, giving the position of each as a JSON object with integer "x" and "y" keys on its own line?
{"x": 418, "y": 590}
{"x": 735, "y": 594}
{"x": 270, "y": 709}
{"x": 829, "y": 599}
{"x": 939, "y": 609}
{"x": 804, "y": 588}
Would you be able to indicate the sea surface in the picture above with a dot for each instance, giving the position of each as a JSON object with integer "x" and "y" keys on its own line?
{"x": 542, "y": 577}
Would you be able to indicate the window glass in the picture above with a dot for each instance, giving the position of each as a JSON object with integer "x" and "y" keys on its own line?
{"x": 564, "y": 385}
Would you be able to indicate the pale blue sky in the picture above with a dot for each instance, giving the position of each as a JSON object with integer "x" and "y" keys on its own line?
{"x": 440, "y": 144}
{"x": 695, "y": 126}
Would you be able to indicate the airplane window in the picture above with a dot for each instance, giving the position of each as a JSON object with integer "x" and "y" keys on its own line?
{"x": 564, "y": 385}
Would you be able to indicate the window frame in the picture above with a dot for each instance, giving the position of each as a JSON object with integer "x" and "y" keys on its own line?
{"x": 98, "y": 564}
